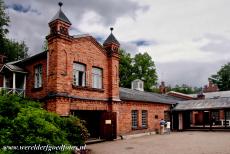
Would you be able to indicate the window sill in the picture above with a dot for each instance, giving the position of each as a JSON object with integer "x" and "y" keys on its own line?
{"x": 87, "y": 88}
{"x": 139, "y": 128}
{"x": 37, "y": 89}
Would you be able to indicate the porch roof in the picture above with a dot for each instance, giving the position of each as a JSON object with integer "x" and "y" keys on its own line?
{"x": 13, "y": 68}
{"x": 203, "y": 104}
{"x": 136, "y": 95}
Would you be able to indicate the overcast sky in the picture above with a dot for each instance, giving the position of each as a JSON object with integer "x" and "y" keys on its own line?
{"x": 188, "y": 40}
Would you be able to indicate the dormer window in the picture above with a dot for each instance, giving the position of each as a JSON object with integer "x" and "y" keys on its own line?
{"x": 79, "y": 73}
{"x": 138, "y": 85}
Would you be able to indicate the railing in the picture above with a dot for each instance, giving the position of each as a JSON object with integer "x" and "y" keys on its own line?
{"x": 10, "y": 91}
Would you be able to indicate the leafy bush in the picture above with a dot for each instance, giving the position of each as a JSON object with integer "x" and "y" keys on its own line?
{"x": 24, "y": 122}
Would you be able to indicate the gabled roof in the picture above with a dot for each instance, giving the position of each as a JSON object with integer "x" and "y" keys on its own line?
{"x": 111, "y": 39}
{"x": 12, "y": 67}
{"x": 203, "y": 104}
{"x": 136, "y": 95}
{"x": 61, "y": 16}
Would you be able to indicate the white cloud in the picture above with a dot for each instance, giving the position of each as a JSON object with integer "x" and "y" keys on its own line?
{"x": 192, "y": 36}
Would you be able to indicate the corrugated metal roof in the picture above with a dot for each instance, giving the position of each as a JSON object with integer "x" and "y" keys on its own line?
{"x": 214, "y": 94}
{"x": 203, "y": 104}
{"x": 135, "y": 95}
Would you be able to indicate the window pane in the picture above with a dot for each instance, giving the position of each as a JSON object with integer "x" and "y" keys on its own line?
{"x": 97, "y": 78}
{"x": 134, "y": 118}
{"x": 79, "y": 74}
{"x": 144, "y": 118}
{"x": 38, "y": 76}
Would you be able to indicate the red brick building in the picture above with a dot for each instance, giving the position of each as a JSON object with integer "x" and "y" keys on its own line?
{"x": 79, "y": 76}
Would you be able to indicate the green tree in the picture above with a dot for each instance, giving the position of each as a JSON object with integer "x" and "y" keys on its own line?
{"x": 144, "y": 69}
{"x": 140, "y": 67}
{"x": 125, "y": 69}
{"x": 14, "y": 50}
{"x": 4, "y": 20}
{"x": 185, "y": 89}
{"x": 11, "y": 49}
{"x": 222, "y": 78}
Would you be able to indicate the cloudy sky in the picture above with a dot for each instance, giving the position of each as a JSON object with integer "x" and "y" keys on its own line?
{"x": 188, "y": 40}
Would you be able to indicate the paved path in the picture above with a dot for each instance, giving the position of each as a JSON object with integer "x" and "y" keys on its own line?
{"x": 175, "y": 143}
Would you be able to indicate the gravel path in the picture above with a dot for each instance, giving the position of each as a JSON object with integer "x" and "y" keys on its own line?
{"x": 174, "y": 143}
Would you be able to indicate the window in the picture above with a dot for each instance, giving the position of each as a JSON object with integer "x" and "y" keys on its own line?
{"x": 216, "y": 115}
{"x": 97, "y": 78}
{"x": 79, "y": 74}
{"x": 38, "y": 76}
{"x": 134, "y": 119}
{"x": 144, "y": 118}
{"x": 227, "y": 115}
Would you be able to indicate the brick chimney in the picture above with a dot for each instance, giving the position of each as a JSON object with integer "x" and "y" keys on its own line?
{"x": 211, "y": 87}
{"x": 162, "y": 88}
{"x": 200, "y": 95}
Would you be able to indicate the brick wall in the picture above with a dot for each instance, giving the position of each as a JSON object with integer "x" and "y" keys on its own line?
{"x": 124, "y": 108}
{"x": 64, "y": 52}
{"x": 36, "y": 93}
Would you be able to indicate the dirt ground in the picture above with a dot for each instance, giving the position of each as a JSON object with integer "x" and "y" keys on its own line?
{"x": 175, "y": 143}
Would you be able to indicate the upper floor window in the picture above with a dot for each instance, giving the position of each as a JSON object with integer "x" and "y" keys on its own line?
{"x": 38, "y": 76}
{"x": 97, "y": 78}
{"x": 79, "y": 73}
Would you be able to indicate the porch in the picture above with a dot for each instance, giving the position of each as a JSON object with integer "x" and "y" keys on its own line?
{"x": 202, "y": 114}
{"x": 14, "y": 80}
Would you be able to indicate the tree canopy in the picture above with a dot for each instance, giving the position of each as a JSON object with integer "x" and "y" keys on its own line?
{"x": 222, "y": 78}
{"x": 13, "y": 50}
{"x": 185, "y": 89}
{"x": 141, "y": 66}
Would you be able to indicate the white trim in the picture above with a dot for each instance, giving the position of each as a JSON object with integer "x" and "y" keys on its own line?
{"x": 4, "y": 81}
{"x": 14, "y": 82}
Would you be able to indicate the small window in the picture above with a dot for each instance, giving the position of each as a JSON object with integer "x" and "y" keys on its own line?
{"x": 97, "y": 78}
{"x": 38, "y": 76}
{"x": 134, "y": 119}
{"x": 144, "y": 118}
{"x": 79, "y": 74}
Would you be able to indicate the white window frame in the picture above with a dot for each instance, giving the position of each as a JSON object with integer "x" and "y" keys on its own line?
{"x": 38, "y": 76}
{"x": 97, "y": 74}
{"x": 134, "y": 114}
{"x": 79, "y": 73}
{"x": 144, "y": 120}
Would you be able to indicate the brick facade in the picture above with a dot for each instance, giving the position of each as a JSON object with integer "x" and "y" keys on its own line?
{"x": 63, "y": 97}
{"x": 155, "y": 112}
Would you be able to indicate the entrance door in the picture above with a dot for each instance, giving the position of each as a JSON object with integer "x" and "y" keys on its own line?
{"x": 206, "y": 117}
{"x": 108, "y": 129}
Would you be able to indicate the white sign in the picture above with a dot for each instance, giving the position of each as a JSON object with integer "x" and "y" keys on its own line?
{"x": 108, "y": 122}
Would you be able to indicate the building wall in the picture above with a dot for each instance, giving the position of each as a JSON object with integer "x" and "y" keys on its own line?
{"x": 63, "y": 53}
{"x": 124, "y": 118}
{"x": 36, "y": 93}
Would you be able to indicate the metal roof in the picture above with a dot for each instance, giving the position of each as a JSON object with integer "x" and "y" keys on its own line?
{"x": 12, "y": 67}
{"x": 136, "y": 95}
{"x": 111, "y": 39}
{"x": 214, "y": 94}
{"x": 61, "y": 16}
{"x": 203, "y": 104}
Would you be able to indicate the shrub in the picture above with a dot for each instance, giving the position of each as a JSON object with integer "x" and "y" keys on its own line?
{"x": 24, "y": 122}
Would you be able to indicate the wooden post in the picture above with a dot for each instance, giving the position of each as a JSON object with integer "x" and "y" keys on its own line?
{"x": 14, "y": 82}
{"x": 24, "y": 86}
{"x": 4, "y": 81}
